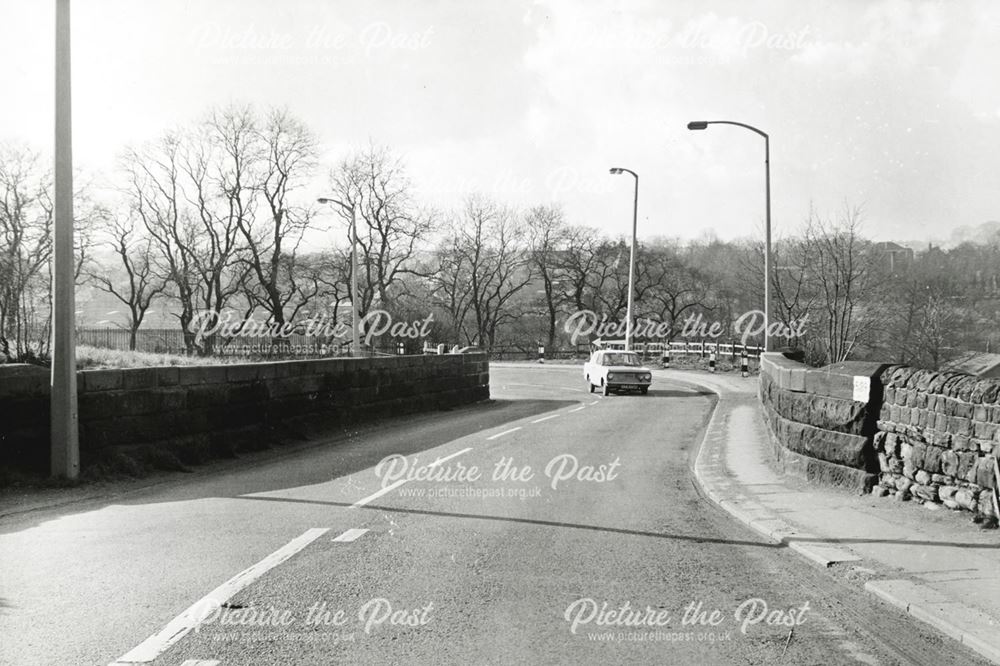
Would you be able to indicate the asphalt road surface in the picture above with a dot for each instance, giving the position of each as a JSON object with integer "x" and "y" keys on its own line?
{"x": 552, "y": 526}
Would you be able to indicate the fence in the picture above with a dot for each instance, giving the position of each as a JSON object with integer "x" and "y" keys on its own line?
{"x": 171, "y": 341}
{"x": 701, "y": 348}
{"x": 647, "y": 350}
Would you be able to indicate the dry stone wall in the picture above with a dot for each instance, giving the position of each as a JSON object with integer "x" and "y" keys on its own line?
{"x": 939, "y": 437}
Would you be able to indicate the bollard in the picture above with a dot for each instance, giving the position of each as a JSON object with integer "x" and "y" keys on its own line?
{"x": 744, "y": 364}
{"x": 666, "y": 358}
{"x": 711, "y": 362}
{"x": 440, "y": 348}
{"x": 541, "y": 354}
{"x": 400, "y": 348}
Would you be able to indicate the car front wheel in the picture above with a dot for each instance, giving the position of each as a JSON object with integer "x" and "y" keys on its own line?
{"x": 605, "y": 389}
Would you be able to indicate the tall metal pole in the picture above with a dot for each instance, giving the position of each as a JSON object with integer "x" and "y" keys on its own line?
{"x": 703, "y": 124}
{"x": 767, "y": 245}
{"x": 631, "y": 265}
{"x": 617, "y": 171}
{"x": 65, "y": 448}
{"x": 355, "y": 342}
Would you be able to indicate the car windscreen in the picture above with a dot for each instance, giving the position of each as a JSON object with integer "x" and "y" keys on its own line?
{"x": 621, "y": 359}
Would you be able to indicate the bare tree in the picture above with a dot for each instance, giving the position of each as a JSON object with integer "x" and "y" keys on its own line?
{"x": 485, "y": 266}
{"x": 610, "y": 278}
{"x": 154, "y": 194}
{"x": 847, "y": 278}
{"x": 219, "y": 160}
{"x": 140, "y": 284}
{"x": 450, "y": 286}
{"x": 25, "y": 252}
{"x": 675, "y": 288}
{"x": 548, "y": 235}
{"x": 577, "y": 264}
{"x": 372, "y": 186}
{"x": 285, "y": 155}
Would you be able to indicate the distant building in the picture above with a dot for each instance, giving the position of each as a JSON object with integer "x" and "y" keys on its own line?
{"x": 980, "y": 364}
{"x": 897, "y": 256}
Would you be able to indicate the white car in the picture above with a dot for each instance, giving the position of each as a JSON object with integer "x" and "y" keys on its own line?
{"x": 614, "y": 370}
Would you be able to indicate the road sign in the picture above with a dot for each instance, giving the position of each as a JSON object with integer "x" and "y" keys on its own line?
{"x": 862, "y": 388}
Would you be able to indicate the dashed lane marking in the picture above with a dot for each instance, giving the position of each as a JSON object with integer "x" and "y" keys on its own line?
{"x": 449, "y": 457}
{"x": 158, "y": 643}
{"x": 374, "y": 496}
{"x": 349, "y": 535}
{"x": 577, "y": 408}
{"x": 545, "y": 418}
{"x": 505, "y": 432}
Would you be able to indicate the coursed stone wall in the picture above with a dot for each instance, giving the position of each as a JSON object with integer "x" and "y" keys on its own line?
{"x": 939, "y": 437}
{"x": 177, "y": 415}
{"x": 822, "y": 428}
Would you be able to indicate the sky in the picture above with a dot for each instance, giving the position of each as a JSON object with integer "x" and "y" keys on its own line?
{"x": 889, "y": 104}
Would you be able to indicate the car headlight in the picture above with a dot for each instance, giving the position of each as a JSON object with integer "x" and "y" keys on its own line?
{"x": 647, "y": 377}
{"x": 611, "y": 375}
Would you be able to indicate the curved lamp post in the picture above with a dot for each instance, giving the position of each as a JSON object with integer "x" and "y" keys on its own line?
{"x": 355, "y": 337}
{"x": 631, "y": 262}
{"x": 703, "y": 124}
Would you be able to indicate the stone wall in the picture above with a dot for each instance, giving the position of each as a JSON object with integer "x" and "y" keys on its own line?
{"x": 178, "y": 415}
{"x": 939, "y": 435}
{"x": 820, "y": 430}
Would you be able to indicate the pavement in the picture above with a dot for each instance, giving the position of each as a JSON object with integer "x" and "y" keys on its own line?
{"x": 932, "y": 563}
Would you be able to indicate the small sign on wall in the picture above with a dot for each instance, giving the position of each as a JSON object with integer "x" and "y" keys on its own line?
{"x": 862, "y": 388}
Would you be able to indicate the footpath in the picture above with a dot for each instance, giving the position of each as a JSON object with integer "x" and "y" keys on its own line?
{"x": 936, "y": 565}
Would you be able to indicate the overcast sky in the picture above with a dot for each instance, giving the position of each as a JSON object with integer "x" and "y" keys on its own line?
{"x": 891, "y": 104}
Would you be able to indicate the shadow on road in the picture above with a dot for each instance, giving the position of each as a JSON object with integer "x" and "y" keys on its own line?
{"x": 617, "y": 530}
{"x": 320, "y": 459}
{"x": 528, "y": 521}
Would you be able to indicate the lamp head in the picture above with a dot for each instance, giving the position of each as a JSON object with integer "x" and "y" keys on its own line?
{"x": 698, "y": 125}
{"x": 615, "y": 171}
{"x": 323, "y": 200}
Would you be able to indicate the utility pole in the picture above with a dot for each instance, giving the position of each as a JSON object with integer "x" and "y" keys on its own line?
{"x": 65, "y": 446}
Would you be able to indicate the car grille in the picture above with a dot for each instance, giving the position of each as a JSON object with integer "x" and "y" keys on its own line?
{"x": 627, "y": 377}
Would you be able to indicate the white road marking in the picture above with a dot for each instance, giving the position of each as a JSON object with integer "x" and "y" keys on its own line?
{"x": 577, "y": 408}
{"x": 453, "y": 455}
{"x": 546, "y": 418}
{"x": 349, "y": 535}
{"x": 376, "y": 495}
{"x": 593, "y": 403}
{"x": 505, "y": 432}
{"x": 201, "y": 662}
{"x": 158, "y": 643}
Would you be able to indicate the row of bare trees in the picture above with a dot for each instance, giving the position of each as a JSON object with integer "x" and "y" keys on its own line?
{"x": 220, "y": 216}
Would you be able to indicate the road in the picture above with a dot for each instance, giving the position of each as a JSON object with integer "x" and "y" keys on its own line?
{"x": 552, "y": 526}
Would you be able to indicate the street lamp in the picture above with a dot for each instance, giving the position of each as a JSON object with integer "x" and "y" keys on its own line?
{"x": 616, "y": 171}
{"x": 703, "y": 124}
{"x": 355, "y": 337}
